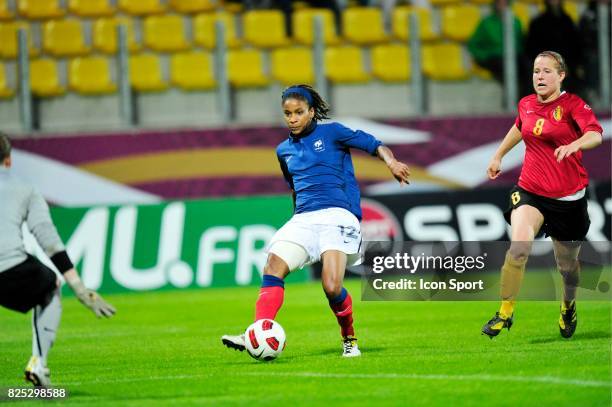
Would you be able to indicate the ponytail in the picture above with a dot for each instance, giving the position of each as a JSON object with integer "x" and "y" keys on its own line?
{"x": 5, "y": 147}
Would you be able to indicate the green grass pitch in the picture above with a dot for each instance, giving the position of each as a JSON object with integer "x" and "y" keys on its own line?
{"x": 164, "y": 348}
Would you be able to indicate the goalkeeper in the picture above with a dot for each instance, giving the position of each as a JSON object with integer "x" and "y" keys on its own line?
{"x": 26, "y": 283}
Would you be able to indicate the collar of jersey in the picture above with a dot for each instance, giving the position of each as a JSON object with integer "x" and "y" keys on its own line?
{"x": 309, "y": 129}
{"x": 562, "y": 94}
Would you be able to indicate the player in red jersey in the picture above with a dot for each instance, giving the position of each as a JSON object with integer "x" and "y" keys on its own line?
{"x": 550, "y": 196}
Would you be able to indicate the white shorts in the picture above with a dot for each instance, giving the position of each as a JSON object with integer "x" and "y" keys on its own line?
{"x": 319, "y": 231}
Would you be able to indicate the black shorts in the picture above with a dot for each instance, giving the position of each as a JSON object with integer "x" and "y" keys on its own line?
{"x": 26, "y": 285}
{"x": 563, "y": 220}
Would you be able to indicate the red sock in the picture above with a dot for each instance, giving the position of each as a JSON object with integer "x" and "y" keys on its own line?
{"x": 342, "y": 306}
{"x": 270, "y": 298}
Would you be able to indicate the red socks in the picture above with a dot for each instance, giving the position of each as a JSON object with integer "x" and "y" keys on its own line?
{"x": 271, "y": 296}
{"x": 342, "y": 306}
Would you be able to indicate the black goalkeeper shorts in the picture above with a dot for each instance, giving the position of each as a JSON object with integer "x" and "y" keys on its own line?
{"x": 563, "y": 220}
{"x": 26, "y": 285}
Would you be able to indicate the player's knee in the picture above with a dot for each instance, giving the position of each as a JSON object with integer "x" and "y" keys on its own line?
{"x": 332, "y": 287}
{"x": 518, "y": 255}
{"x": 568, "y": 268}
{"x": 273, "y": 271}
{"x": 519, "y": 251}
{"x": 275, "y": 266}
{"x": 284, "y": 257}
{"x": 48, "y": 297}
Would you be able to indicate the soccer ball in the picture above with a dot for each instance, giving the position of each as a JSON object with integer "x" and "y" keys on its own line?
{"x": 265, "y": 339}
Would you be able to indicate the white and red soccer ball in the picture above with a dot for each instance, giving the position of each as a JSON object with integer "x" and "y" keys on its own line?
{"x": 265, "y": 339}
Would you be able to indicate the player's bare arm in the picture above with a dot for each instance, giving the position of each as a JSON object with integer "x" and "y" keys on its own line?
{"x": 589, "y": 140}
{"x": 512, "y": 138}
{"x": 400, "y": 171}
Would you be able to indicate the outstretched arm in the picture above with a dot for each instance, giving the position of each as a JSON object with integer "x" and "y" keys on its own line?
{"x": 40, "y": 224}
{"x": 513, "y": 137}
{"x": 400, "y": 171}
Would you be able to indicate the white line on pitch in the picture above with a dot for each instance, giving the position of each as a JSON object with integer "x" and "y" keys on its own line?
{"x": 477, "y": 377}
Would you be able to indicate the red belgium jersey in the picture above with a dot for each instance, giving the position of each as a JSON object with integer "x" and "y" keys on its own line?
{"x": 544, "y": 127}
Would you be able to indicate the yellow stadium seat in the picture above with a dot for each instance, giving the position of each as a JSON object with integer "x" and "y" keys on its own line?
{"x": 245, "y": 68}
{"x": 205, "y": 30}
{"x": 363, "y": 25}
{"x": 165, "y": 33}
{"x": 487, "y": 2}
{"x": 401, "y": 27}
{"x": 39, "y": 9}
{"x": 90, "y": 76}
{"x": 521, "y": 11}
{"x": 5, "y": 91}
{"x": 105, "y": 34}
{"x": 233, "y": 7}
{"x": 141, "y": 7}
{"x": 264, "y": 28}
{"x": 64, "y": 38}
{"x": 391, "y": 62}
{"x": 91, "y": 8}
{"x": 345, "y": 64}
{"x": 440, "y": 3}
{"x": 444, "y": 62}
{"x": 303, "y": 25}
{"x": 44, "y": 78}
{"x": 192, "y": 70}
{"x": 292, "y": 65}
{"x": 573, "y": 11}
{"x": 192, "y": 6}
{"x": 8, "y": 39}
{"x": 146, "y": 74}
{"x": 5, "y": 13}
{"x": 459, "y": 22}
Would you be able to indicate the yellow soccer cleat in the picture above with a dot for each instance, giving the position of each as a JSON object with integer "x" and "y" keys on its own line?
{"x": 496, "y": 324}
{"x": 568, "y": 320}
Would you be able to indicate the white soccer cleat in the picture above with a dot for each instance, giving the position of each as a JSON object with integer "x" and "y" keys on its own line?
{"x": 349, "y": 347}
{"x": 234, "y": 341}
{"x": 36, "y": 373}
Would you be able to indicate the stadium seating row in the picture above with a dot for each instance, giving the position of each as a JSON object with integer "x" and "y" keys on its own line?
{"x": 37, "y": 9}
{"x": 260, "y": 28}
{"x": 193, "y": 70}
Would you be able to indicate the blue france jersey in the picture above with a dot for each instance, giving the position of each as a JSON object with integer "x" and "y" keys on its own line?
{"x": 318, "y": 167}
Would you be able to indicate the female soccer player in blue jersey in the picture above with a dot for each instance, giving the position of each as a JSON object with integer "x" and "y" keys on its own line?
{"x": 316, "y": 162}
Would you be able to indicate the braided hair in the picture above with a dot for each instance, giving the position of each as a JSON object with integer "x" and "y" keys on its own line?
{"x": 307, "y": 94}
{"x": 5, "y": 147}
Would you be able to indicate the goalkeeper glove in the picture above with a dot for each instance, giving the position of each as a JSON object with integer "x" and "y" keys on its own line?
{"x": 90, "y": 298}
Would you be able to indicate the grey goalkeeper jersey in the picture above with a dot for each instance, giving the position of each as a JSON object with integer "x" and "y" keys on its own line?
{"x": 19, "y": 203}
